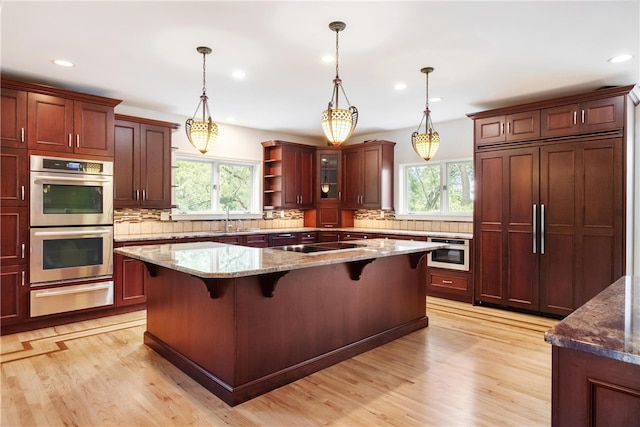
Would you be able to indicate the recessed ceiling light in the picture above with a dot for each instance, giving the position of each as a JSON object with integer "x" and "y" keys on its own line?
{"x": 620, "y": 58}
{"x": 238, "y": 74}
{"x": 327, "y": 58}
{"x": 63, "y": 63}
{"x": 400, "y": 86}
{"x": 435, "y": 99}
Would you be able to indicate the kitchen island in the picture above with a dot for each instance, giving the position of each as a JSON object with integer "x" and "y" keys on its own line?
{"x": 242, "y": 321}
{"x": 596, "y": 360}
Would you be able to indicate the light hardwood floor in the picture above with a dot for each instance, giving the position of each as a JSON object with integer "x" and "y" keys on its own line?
{"x": 473, "y": 366}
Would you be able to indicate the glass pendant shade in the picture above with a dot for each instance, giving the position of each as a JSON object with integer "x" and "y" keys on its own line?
{"x": 338, "y": 123}
{"x": 202, "y": 132}
{"x": 426, "y": 144}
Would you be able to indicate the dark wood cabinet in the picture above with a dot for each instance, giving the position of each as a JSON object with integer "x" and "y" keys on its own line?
{"x": 367, "y": 169}
{"x": 283, "y": 239}
{"x": 328, "y": 236}
{"x": 58, "y": 124}
{"x": 328, "y": 187}
{"x": 13, "y": 128}
{"x": 288, "y": 175}
{"x": 450, "y": 284}
{"x": 507, "y": 128}
{"x": 55, "y": 121}
{"x": 589, "y": 116}
{"x": 142, "y": 163}
{"x": 14, "y": 226}
{"x": 13, "y": 294}
{"x": 15, "y": 176}
{"x": 350, "y": 235}
{"x": 549, "y": 214}
{"x": 256, "y": 240}
{"x": 129, "y": 276}
{"x": 307, "y": 237}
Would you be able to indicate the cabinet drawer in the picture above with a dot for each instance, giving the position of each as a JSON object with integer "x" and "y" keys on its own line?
{"x": 449, "y": 282}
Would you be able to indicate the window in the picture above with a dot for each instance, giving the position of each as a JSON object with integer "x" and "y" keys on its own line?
{"x": 439, "y": 188}
{"x": 213, "y": 186}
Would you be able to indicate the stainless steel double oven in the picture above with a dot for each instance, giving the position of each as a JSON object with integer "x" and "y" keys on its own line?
{"x": 71, "y": 234}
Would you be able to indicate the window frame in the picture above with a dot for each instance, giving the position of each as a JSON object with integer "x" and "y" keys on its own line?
{"x": 444, "y": 214}
{"x": 255, "y": 211}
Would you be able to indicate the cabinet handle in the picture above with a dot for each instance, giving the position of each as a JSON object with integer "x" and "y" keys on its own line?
{"x": 509, "y": 127}
{"x": 22, "y": 191}
{"x": 575, "y": 117}
{"x": 137, "y": 194}
{"x": 78, "y": 140}
{"x": 535, "y": 237}
{"x": 22, "y": 278}
{"x": 502, "y": 128}
{"x": 21, "y": 134}
{"x": 448, "y": 282}
{"x": 339, "y": 195}
{"x": 583, "y": 116}
{"x": 144, "y": 195}
{"x": 542, "y": 229}
{"x": 70, "y": 138}
{"x": 22, "y": 246}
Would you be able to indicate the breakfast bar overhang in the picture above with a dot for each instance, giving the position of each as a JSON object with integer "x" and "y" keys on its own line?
{"x": 243, "y": 321}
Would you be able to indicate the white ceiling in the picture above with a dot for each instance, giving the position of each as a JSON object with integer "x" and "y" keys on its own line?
{"x": 485, "y": 55}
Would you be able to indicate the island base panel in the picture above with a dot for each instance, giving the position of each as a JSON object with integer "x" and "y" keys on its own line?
{"x": 242, "y": 343}
{"x": 591, "y": 390}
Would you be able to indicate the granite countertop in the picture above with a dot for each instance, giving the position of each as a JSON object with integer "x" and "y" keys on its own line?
{"x": 608, "y": 325}
{"x": 219, "y": 260}
{"x": 199, "y": 234}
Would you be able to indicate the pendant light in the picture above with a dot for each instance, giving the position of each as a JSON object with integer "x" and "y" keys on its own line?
{"x": 337, "y": 123}
{"x": 426, "y": 144}
{"x": 202, "y": 132}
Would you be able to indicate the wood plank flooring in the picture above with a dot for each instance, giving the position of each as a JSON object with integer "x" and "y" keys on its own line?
{"x": 473, "y": 366}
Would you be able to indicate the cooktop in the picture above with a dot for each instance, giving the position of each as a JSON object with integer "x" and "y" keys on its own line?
{"x": 318, "y": 247}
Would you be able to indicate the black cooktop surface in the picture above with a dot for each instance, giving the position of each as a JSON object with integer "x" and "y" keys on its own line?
{"x": 318, "y": 247}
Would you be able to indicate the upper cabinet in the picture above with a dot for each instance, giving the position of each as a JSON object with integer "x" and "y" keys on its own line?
{"x": 13, "y": 127}
{"x": 142, "y": 163}
{"x": 288, "y": 175}
{"x": 367, "y": 175}
{"x": 508, "y": 128}
{"x": 586, "y": 117}
{"x": 51, "y": 120}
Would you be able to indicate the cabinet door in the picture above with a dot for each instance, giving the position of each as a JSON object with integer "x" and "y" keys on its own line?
{"x": 602, "y": 114}
{"x": 523, "y": 126}
{"x": 489, "y": 130}
{"x": 506, "y": 266}
{"x": 13, "y": 111}
{"x": 290, "y": 177}
{"x": 15, "y": 176}
{"x": 371, "y": 177}
{"x": 94, "y": 129}
{"x": 49, "y": 123}
{"x": 13, "y": 294}
{"x": 282, "y": 239}
{"x": 256, "y": 240}
{"x": 305, "y": 178}
{"x": 126, "y": 162}
{"x": 582, "y": 190}
{"x": 155, "y": 166}
{"x": 352, "y": 182}
{"x": 130, "y": 274}
{"x": 14, "y": 229}
{"x": 560, "y": 121}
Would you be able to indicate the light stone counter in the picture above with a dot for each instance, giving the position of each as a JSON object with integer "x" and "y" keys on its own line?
{"x": 219, "y": 260}
{"x": 608, "y": 325}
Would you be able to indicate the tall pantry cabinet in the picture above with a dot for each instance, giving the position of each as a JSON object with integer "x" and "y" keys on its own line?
{"x": 549, "y": 214}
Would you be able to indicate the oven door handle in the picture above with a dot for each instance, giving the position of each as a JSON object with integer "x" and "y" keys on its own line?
{"x": 50, "y": 293}
{"x": 44, "y": 179}
{"x": 72, "y": 233}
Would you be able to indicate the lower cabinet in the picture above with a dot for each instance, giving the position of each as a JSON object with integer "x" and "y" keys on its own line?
{"x": 307, "y": 237}
{"x": 129, "y": 282}
{"x": 14, "y": 294}
{"x": 256, "y": 240}
{"x": 348, "y": 235}
{"x": 328, "y": 236}
{"x": 283, "y": 239}
{"x": 450, "y": 284}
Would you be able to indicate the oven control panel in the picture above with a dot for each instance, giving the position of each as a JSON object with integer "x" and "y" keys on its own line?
{"x": 57, "y": 164}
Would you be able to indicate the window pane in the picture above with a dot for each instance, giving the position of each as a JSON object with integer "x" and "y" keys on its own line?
{"x": 193, "y": 186}
{"x": 423, "y": 188}
{"x": 235, "y": 187}
{"x": 460, "y": 186}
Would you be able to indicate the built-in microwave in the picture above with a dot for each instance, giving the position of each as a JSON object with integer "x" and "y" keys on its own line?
{"x": 70, "y": 192}
{"x": 453, "y": 257}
